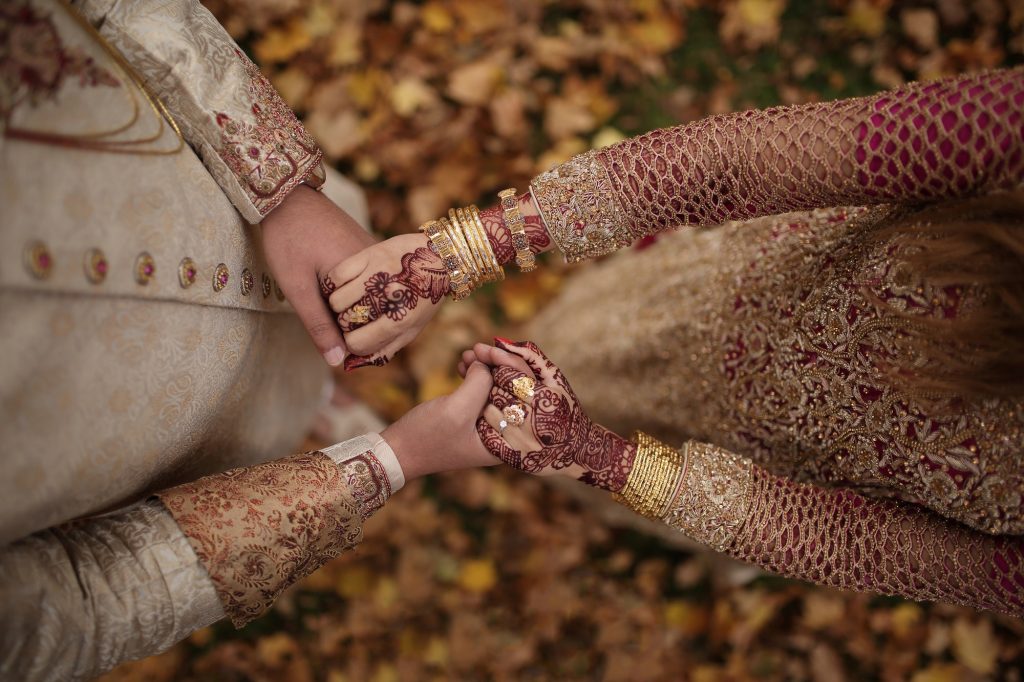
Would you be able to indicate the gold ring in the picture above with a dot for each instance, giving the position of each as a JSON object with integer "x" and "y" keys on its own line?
{"x": 360, "y": 314}
{"x": 522, "y": 387}
{"x": 514, "y": 414}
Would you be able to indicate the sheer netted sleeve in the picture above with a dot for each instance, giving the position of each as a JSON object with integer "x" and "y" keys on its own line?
{"x": 839, "y": 538}
{"x": 919, "y": 143}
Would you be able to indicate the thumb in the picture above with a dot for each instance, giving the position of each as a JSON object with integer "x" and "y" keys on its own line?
{"x": 475, "y": 390}
{"x": 320, "y": 324}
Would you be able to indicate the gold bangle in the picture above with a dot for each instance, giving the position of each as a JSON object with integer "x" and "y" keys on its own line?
{"x": 462, "y": 249}
{"x": 442, "y": 246}
{"x": 654, "y": 477}
{"x": 476, "y": 245}
{"x": 499, "y": 271}
{"x": 514, "y": 223}
{"x": 479, "y": 264}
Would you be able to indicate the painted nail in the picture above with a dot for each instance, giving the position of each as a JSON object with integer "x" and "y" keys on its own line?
{"x": 355, "y": 362}
{"x": 502, "y": 342}
{"x": 335, "y": 356}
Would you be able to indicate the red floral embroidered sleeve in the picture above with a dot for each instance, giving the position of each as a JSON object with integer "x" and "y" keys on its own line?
{"x": 839, "y": 538}
{"x": 919, "y": 143}
{"x": 247, "y": 137}
{"x": 257, "y": 530}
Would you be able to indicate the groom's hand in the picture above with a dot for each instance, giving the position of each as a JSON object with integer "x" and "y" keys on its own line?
{"x": 302, "y": 239}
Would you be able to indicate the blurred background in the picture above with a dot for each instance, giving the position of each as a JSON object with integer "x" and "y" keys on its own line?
{"x": 488, "y": 575}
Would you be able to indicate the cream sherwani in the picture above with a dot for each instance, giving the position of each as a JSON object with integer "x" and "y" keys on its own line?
{"x": 145, "y": 343}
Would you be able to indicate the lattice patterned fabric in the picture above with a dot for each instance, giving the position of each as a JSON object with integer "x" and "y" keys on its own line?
{"x": 953, "y": 137}
{"x": 839, "y": 538}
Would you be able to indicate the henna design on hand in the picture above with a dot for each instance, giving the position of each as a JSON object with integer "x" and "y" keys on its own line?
{"x": 501, "y": 239}
{"x": 566, "y": 434}
{"x": 423, "y": 275}
{"x": 327, "y": 286}
{"x": 497, "y": 445}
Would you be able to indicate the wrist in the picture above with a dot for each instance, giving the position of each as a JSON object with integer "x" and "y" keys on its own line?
{"x": 406, "y": 452}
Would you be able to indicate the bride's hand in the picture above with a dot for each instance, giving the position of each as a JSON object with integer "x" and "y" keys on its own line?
{"x": 534, "y": 422}
{"x": 384, "y": 295}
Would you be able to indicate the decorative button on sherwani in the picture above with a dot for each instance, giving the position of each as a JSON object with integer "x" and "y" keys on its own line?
{"x": 95, "y": 265}
{"x": 220, "y": 277}
{"x": 247, "y": 281}
{"x": 187, "y": 271}
{"x": 266, "y": 285}
{"x": 145, "y": 268}
{"x": 38, "y": 260}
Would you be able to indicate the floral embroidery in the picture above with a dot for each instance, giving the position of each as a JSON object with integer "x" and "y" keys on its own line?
{"x": 259, "y": 529}
{"x": 270, "y": 155}
{"x": 367, "y": 481}
{"x": 35, "y": 63}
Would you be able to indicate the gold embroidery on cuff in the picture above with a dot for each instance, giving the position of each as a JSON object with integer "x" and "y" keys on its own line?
{"x": 715, "y": 495}
{"x": 580, "y": 209}
{"x": 367, "y": 481}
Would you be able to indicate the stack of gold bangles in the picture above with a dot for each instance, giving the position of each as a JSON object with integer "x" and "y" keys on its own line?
{"x": 652, "y": 481}
{"x": 461, "y": 242}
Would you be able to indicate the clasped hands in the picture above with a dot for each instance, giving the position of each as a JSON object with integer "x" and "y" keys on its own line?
{"x": 514, "y": 405}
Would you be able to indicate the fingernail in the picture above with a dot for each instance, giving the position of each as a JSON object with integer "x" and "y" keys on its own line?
{"x": 502, "y": 342}
{"x": 355, "y": 362}
{"x": 335, "y": 356}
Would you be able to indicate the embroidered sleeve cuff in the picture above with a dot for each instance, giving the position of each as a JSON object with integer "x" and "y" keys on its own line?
{"x": 370, "y": 469}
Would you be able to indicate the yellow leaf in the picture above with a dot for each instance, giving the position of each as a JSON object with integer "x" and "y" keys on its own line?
{"x": 867, "y": 17}
{"x": 408, "y": 95}
{"x": 386, "y": 594}
{"x": 658, "y": 34}
{"x": 761, "y": 13}
{"x": 281, "y": 44}
{"x": 346, "y": 45}
{"x": 940, "y": 672}
{"x": 564, "y": 117}
{"x": 353, "y": 581}
{"x": 974, "y": 645}
{"x": 904, "y": 618}
{"x": 436, "y": 18}
{"x": 562, "y": 151}
{"x": 474, "y": 83}
{"x": 606, "y": 137}
{"x": 363, "y": 87}
{"x": 436, "y": 652}
{"x": 478, "y": 575}
{"x": 438, "y": 382}
{"x": 294, "y": 86}
{"x": 320, "y": 20}
{"x": 386, "y": 673}
{"x": 707, "y": 673}
{"x": 690, "y": 619}
{"x": 201, "y": 637}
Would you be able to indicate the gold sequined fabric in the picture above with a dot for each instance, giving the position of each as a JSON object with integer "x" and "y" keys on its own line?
{"x": 259, "y": 529}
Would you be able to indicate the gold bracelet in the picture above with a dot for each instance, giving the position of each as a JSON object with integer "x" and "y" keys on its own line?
{"x": 463, "y": 252}
{"x": 442, "y": 246}
{"x": 478, "y": 222}
{"x": 517, "y": 228}
{"x": 654, "y": 477}
{"x": 464, "y": 236}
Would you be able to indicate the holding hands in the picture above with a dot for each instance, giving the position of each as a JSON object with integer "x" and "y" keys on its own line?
{"x": 534, "y": 422}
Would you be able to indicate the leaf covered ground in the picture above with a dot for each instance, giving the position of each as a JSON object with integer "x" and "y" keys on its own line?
{"x": 487, "y": 575}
